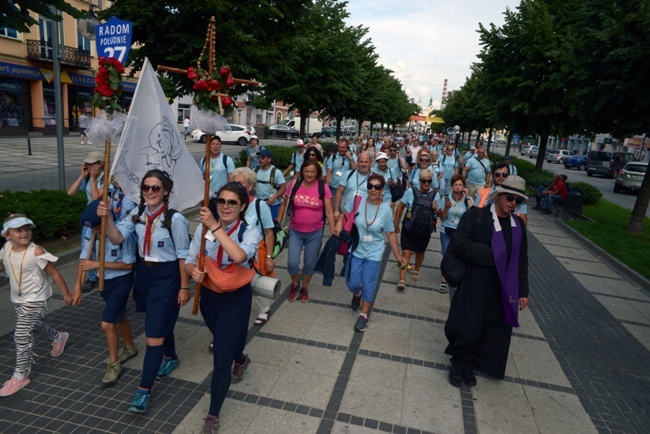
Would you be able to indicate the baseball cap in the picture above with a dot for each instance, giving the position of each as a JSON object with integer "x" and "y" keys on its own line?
{"x": 94, "y": 157}
{"x": 89, "y": 217}
{"x": 381, "y": 156}
{"x": 255, "y": 137}
{"x": 508, "y": 157}
{"x": 300, "y": 143}
{"x": 472, "y": 148}
{"x": 265, "y": 153}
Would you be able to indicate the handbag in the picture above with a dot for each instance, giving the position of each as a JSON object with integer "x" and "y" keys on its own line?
{"x": 452, "y": 266}
{"x": 396, "y": 193}
{"x": 348, "y": 227}
{"x": 229, "y": 279}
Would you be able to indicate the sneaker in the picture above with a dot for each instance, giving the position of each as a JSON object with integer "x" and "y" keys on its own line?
{"x": 88, "y": 286}
{"x": 293, "y": 294}
{"x": 238, "y": 370}
{"x": 443, "y": 289}
{"x": 362, "y": 324}
{"x": 168, "y": 365}
{"x": 127, "y": 353}
{"x": 12, "y": 386}
{"x": 112, "y": 374}
{"x": 58, "y": 347}
{"x": 304, "y": 295}
{"x": 140, "y": 402}
{"x": 210, "y": 425}
{"x": 356, "y": 302}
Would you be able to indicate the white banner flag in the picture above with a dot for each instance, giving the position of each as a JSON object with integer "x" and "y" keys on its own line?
{"x": 151, "y": 140}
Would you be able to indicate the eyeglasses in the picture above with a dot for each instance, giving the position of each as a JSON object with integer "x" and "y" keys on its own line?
{"x": 425, "y": 160}
{"x": 426, "y": 181}
{"x": 232, "y": 203}
{"x": 518, "y": 200}
{"x": 392, "y": 150}
{"x": 154, "y": 188}
{"x": 500, "y": 175}
{"x": 374, "y": 186}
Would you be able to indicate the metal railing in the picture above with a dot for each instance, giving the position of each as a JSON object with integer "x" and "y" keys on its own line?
{"x": 43, "y": 51}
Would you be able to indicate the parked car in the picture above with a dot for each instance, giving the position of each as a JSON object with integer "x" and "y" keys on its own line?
{"x": 557, "y": 156}
{"x": 239, "y": 134}
{"x": 526, "y": 149}
{"x": 576, "y": 162}
{"x": 283, "y": 131}
{"x": 350, "y": 129}
{"x": 630, "y": 177}
{"x": 533, "y": 152}
{"x": 607, "y": 163}
{"x": 327, "y": 131}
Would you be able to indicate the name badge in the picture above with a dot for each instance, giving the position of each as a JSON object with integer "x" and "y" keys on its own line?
{"x": 367, "y": 238}
{"x": 339, "y": 173}
{"x": 150, "y": 259}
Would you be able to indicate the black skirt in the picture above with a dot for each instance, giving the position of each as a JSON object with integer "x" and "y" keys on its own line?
{"x": 416, "y": 244}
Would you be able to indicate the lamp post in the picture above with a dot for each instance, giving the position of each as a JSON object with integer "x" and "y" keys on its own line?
{"x": 58, "y": 100}
{"x": 457, "y": 132}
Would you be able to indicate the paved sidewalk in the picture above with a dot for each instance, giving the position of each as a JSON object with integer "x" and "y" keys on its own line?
{"x": 577, "y": 364}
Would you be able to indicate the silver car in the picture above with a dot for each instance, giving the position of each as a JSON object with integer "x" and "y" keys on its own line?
{"x": 630, "y": 177}
{"x": 557, "y": 156}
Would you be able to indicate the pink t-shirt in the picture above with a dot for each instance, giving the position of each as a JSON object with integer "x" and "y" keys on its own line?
{"x": 307, "y": 213}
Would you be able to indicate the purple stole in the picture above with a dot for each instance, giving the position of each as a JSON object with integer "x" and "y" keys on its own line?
{"x": 508, "y": 270}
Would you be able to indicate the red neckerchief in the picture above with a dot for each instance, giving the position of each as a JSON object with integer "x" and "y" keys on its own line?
{"x": 229, "y": 233}
{"x": 146, "y": 248}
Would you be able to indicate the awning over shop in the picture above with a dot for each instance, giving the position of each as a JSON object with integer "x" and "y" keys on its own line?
{"x": 435, "y": 120}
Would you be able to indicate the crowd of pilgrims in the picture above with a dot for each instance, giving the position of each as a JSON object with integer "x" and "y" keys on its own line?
{"x": 370, "y": 192}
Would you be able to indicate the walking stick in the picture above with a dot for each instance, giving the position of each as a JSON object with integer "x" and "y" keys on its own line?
{"x": 102, "y": 240}
{"x": 206, "y": 202}
{"x": 90, "y": 252}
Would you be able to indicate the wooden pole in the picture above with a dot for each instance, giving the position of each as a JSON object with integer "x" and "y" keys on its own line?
{"x": 206, "y": 202}
{"x": 101, "y": 253}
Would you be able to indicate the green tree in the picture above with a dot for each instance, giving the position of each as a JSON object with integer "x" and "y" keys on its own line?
{"x": 15, "y": 14}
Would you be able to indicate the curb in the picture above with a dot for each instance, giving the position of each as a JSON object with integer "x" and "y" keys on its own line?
{"x": 599, "y": 251}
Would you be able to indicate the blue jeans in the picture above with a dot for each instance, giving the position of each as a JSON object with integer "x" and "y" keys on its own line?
{"x": 444, "y": 241}
{"x": 550, "y": 199}
{"x": 363, "y": 274}
{"x": 310, "y": 242}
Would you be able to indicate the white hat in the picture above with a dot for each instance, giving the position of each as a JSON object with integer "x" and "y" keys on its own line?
{"x": 16, "y": 223}
{"x": 513, "y": 184}
{"x": 300, "y": 143}
{"x": 94, "y": 157}
{"x": 254, "y": 137}
{"x": 381, "y": 156}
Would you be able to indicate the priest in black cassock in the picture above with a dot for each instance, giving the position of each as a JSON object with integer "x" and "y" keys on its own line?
{"x": 492, "y": 241}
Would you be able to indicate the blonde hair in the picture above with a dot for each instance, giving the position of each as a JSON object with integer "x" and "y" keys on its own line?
{"x": 248, "y": 174}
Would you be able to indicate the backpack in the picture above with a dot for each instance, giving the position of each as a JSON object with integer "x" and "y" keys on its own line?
{"x": 225, "y": 162}
{"x": 321, "y": 194}
{"x": 423, "y": 217}
{"x": 271, "y": 179}
{"x": 279, "y": 234}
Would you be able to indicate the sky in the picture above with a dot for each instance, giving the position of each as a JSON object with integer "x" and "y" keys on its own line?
{"x": 425, "y": 41}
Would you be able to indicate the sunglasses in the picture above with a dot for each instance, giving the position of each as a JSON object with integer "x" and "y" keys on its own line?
{"x": 392, "y": 150}
{"x": 311, "y": 155}
{"x": 424, "y": 160}
{"x": 500, "y": 175}
{"x": 426, "y": 181}
{"x": 374, "y": 186}
{"x": 232, "y": 203}
{"x": 518, "y": 200}
{"x": 154, "y": 188}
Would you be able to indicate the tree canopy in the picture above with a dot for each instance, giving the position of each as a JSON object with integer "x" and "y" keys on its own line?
{"x": 15, "y": 14}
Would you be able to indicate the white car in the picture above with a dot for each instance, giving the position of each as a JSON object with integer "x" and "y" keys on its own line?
{"x": 239, "y": 134}
{"x": 558, "y": 156}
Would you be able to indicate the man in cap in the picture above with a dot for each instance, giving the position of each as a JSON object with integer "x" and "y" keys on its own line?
{"x": 499, "y": 175}
{"x": 511, "y": 167}
{"x": 271, "y": 184}
{"x": 471, "y": 153}
{"x": 479, "y": 324}
{"x": 221, "y": 166}
{"x": 296, "y": 159}
{"x": 252, "y": 160}
{"x": 381, "y": 168}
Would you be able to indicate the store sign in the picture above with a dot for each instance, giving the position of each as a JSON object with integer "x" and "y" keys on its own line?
{"x": 10, "y": 85}
{"x": 20, "y": 71}
{"x": 113, "y": 38}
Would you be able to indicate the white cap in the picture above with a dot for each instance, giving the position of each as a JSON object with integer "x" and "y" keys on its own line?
{"x": 381, "y": 156}
{"x": 16, "y": 223}
{"x": 254, "y": 137}
{"x": 300, "y": 143}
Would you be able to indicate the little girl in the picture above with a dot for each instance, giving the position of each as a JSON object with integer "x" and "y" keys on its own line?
{"x": 28, "y": 267}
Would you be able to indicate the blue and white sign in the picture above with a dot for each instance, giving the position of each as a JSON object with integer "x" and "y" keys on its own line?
{"x": 113, "y": 38}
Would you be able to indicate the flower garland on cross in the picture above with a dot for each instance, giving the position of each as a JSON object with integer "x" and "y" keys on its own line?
{"x": 211, "y": 95}
{"x": 108, "y": 90}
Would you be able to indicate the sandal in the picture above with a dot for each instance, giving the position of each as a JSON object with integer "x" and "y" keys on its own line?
{"x": 401, "y": 285}
{"x": 443, "y": 289}
{"x": 415, "y": 276}
{"x": 262, "y": 318}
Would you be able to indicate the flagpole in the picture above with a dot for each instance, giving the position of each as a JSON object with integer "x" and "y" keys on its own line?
{"x": 102, "y": 240}
{"x": 206, "y": 202}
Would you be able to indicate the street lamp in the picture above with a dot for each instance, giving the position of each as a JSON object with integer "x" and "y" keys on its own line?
{"x": 86, "y": 26}
{"x": 457, "y": 132}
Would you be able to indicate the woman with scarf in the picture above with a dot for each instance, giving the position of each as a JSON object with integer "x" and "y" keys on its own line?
{"x": 492, "y": 242}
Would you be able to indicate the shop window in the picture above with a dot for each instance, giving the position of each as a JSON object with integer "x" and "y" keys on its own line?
{"x": 9, "y": 32}
{"x": 12, "y": 108}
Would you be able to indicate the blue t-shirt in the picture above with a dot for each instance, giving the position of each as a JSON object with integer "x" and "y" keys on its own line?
{"x": 415, "y": 179}
{"x": 124, "y": 252}
{"x": 265, "y": 215}
{"x": 353, "y": 183}
{"x": 86, "y": 185}
{"x": 449, "y": 165}
{"x": 338, "y": 165}
{"x": 218, "y": 172}
{"x": 263, "y": 188}
{"x": 478, "y": 169}
{"x": 371, "y": 227}
{"x": 253, "y": 157}
{"x": 297, "y": 159}
{"x": 454, "y": 213}
{"x": 387, "y": 174}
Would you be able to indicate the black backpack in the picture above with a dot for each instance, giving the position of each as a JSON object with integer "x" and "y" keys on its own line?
{"x": 423, "y": 217}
